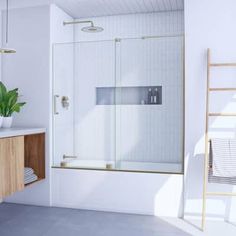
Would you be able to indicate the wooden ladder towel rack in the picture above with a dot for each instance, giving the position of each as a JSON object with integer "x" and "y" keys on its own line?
{"x": 209, "y": 114}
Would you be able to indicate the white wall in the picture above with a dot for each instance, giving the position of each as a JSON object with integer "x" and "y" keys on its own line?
{"x": 29, "y": 70}
{"x": 60, "y": 33}
{"x": 32, "y": 33}
{"x": 133, "y": 25}
{"x": 208, "y": 24}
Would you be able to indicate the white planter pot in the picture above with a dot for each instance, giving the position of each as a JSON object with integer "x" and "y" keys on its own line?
{"x": 7, "y": 122}
{"x": 1, "y": 120}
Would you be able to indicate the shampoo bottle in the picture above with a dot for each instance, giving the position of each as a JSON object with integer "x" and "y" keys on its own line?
{"x": 155, "y": 96}
{"x": 150, "y": 96}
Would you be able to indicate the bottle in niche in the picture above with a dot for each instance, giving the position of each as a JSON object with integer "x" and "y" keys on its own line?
{"x": 155, "y": 96}
{"x": 150, "y": 96}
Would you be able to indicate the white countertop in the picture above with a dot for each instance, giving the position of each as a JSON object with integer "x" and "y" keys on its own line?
{"x": 19, "y": 131}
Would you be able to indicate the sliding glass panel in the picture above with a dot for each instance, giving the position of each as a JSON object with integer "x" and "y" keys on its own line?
{"x": 149, "y": 111}
{"x": 94, "y": 130}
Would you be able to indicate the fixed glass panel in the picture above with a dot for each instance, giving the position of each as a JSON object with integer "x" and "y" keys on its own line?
{"x": 63, "y": 88}
{"x": 150, "y": 138}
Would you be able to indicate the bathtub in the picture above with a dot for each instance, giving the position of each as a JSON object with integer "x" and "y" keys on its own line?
{"x": 122, "y": 165}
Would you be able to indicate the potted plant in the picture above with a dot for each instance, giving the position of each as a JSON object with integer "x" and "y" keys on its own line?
{"x": 8, "y": 105}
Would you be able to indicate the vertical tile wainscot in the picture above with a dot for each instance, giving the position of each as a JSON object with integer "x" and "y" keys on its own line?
{"x": 19, "y": 148}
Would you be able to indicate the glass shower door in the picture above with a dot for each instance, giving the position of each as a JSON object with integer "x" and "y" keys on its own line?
{"x": 94, "y": 112}
{"x": 149, "y": 116}
{"x": 118, "y": 104}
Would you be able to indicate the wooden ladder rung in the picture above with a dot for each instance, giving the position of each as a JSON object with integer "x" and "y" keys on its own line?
{"x": 222, "y": 64}
{"x": 221, "y": 114}
{"x": 221, "y": 194}
{"x": 222, "y": 89}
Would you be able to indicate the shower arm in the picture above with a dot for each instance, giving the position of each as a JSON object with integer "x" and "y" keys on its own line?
{"x": 78, "y": 22}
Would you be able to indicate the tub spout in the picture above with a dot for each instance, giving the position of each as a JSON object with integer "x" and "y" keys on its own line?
{"x": 66, "y": 157}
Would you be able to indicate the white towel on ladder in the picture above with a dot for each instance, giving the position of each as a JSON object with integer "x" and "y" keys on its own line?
{"x": 224, "y": 157}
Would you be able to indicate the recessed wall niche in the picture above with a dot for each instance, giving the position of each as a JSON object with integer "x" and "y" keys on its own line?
{"x": 141, "y": 95}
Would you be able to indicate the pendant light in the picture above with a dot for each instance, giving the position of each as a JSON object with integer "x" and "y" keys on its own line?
{"x": 7, "y": 50}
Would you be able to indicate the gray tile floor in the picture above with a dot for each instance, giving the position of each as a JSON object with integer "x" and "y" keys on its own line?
{"x": 21, "y": 220}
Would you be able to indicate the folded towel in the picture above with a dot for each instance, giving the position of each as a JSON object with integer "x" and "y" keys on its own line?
{"x": 224, "y": 157}
{"x": 28, "y": 171}
{"x": 30, "y": 178}
{"x": 218, "y": 179}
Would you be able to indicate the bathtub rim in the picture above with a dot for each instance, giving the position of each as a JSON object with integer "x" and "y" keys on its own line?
{"x": 117, "y": 170}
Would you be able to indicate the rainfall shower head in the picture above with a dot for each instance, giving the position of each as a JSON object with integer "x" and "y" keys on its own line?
{"x": 92, "y": 29}
{"x": 87, "y": 29}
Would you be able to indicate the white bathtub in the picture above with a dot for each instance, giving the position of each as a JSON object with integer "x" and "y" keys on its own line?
{"x": 150, "y": 166}
{"x": 122, "y": 165}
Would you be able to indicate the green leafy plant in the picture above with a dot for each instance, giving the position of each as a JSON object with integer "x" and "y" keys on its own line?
{"x": 9, "y": 101}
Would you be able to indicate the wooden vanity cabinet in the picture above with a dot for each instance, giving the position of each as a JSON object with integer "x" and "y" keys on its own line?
{"x": 15, "y": 154}
{"x": 11, "y": 165}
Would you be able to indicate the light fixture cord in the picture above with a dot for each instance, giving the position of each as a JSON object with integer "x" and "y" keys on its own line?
{"x": 7, "y": 19}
